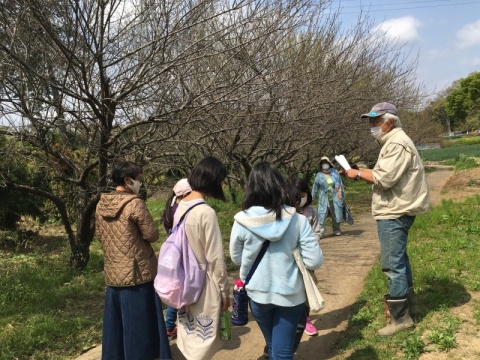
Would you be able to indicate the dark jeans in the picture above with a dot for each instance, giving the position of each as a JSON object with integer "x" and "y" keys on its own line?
{"x": 170, "y": 317}
{"x": 278, "y": 325}
{"x": 131, "y": 325}
{"x": 393, "y": 236}
{"x": 301, "y": 327}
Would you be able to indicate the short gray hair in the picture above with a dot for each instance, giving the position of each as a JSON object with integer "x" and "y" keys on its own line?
{"x": 395, "y": 118}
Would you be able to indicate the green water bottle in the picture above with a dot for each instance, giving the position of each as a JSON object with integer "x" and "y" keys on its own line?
{"x": 225, "y": 332}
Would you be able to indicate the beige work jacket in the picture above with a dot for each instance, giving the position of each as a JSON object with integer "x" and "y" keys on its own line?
{"x": 400, "y": 186}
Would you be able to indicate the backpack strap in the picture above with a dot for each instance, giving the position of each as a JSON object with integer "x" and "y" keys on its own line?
{"x": 187, "y": 211}
{"x": 262, "y": 252}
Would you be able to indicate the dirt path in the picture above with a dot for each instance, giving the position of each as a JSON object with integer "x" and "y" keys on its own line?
{"x": 348, "y": 258}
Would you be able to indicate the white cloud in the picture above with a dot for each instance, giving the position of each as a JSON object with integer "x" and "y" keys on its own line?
{"x": 469, "y": 35}
{"x": 471, "y": 61}
{"x": 403, "y": 29}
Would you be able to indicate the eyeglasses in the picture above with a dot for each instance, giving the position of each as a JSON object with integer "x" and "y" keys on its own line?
{"x": 375, "y": 120}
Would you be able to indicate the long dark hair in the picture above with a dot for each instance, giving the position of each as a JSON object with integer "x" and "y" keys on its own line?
{"x": 207, "y": 177}
{"x": 266, "y": 187}
{"x": 168, "y": 212}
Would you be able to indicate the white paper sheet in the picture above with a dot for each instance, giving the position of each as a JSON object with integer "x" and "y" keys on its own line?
{"x": 343, "y": 162}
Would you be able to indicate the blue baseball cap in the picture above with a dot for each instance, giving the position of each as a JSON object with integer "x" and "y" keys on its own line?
{"x": 380, "y": 109}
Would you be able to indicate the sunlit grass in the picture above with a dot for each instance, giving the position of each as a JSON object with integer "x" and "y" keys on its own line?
{"x": 445, "y": 255}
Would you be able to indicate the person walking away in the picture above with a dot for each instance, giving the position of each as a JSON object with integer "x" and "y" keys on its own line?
{"x": 301, "y": 198}
{"x": 180, "y": 190}
{"x": 276, "y": 291}
{"x": 198, "y": 327}
{"x": 329, "y": 187}
{"x": 400, "y": 193}
{"x": 132, "y": 328}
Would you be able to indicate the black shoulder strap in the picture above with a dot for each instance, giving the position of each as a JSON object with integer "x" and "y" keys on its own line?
{"x": 262, "y": 252}
{"x": 188, "y": 210}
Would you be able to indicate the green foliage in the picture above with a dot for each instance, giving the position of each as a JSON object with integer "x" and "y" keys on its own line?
{"x": 461, "y": 141}
{"x": 48, "y": 311}
{"x": 450, "y": 153}
{"x": 14, "y": 203}
{"x": 443, "y": 333}
{"x": 462, "y": 162}
{"x": 464, "y": 101}
{"x": 438, "y": 114}
{"x": 412, "y": 347}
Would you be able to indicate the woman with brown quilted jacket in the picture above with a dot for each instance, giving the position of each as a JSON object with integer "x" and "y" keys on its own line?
{"x": 133, "y": 328}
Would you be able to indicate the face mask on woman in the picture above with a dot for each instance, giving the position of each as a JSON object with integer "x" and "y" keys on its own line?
{"x": 325, "y": 167}
{"x": 303, "y": 201}
{"x": 135, "y": 187}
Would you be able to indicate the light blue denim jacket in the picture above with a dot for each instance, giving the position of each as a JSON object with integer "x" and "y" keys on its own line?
{"x": 320, "y": 189}
{"x": 277, "y": 279}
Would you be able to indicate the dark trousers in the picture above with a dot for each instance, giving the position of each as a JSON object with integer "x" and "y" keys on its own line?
{"x": 132, "y": 326}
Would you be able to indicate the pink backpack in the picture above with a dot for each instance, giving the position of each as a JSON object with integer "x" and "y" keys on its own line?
{"x": 180, "y": 278}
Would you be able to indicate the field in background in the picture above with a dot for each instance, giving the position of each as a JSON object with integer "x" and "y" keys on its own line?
{"x": 451, "y": 152}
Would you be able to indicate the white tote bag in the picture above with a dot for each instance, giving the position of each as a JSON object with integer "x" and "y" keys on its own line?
{"x": 315, "y": 299}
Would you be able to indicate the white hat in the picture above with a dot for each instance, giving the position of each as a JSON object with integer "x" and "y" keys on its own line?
{"x": 325, "y": 158}
{"x": 182, "y": 187}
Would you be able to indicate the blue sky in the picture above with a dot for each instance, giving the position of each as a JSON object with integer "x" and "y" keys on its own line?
{"x": 444, "y": 33}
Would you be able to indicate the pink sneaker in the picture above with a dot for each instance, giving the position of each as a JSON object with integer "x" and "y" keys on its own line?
{"x": 309, "y": 328}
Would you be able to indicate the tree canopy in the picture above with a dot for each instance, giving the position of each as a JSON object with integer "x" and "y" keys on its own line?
{"x": 164, "y": 83}
{"x": 463, "y": 103}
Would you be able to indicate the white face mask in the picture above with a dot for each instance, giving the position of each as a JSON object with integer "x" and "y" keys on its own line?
{"x": 325, "y": 167}
{"x": 135, "y": 187}
{"x": 377, "y": 132}
{"x": 303, "y": 201}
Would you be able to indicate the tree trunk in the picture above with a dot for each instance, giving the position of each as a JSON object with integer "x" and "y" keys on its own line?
{"x": 79, "y": 256}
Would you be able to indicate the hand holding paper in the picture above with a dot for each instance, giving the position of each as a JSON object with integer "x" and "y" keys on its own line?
{"x": 343, "y": 162}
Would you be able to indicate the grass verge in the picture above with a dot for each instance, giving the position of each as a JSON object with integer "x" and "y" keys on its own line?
{"x": 445, "y": 255}
{"x": 48, "y": 311}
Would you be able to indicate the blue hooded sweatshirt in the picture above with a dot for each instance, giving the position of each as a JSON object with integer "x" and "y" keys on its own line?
{"x": 277, "y": 279}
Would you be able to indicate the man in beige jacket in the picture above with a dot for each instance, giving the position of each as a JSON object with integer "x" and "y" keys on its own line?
{"x": 399, "y": 194}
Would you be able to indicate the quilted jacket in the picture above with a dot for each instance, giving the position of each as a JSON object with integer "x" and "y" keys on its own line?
{"x": 126, "y": 230}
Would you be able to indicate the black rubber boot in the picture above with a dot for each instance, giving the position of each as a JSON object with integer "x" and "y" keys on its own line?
{"x": 412, "y": 302}
{"x": 399, "y": 317}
